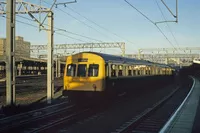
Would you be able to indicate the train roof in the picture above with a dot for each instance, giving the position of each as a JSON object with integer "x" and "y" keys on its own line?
{"x": 114, "y": 58}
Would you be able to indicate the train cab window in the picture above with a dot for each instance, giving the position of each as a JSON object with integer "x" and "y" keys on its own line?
{"x": 93, "y": 70}
{"x": 81, "y": 70}
{"x": 71, "y": 70}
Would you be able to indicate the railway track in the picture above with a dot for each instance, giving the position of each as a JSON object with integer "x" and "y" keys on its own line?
{"x": 26, "y": 105}
{"x": 41, "y": 121}
{"x": 27, "y": 121}
{"x": 152, "y": 119}
{"x": 55, "y": 122}
{"x": 24, "y": 83}
{"x": 24, "y": 79}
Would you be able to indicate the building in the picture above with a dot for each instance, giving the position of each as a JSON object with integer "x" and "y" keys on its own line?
{"x": 22, "y": 48}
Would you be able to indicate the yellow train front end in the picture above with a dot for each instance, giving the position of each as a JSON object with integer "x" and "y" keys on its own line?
{"x": 84, "y": 76}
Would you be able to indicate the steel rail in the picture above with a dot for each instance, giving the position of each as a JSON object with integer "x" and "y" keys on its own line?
{"x": 136, "y": 120}
{"x": 58, "y": 122}
{"x": 24, "y": 118}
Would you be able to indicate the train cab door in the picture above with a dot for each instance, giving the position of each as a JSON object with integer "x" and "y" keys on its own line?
{"x": 94, "y": 76}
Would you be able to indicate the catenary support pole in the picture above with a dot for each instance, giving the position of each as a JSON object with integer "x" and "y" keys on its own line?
{"x": 10, "y": 52}
{"x": 50, "y": 63}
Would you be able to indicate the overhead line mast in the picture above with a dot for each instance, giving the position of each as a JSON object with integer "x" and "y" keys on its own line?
{"x": 10, "y": 52}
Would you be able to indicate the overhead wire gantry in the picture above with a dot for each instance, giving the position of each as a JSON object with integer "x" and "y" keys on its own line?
{"x": 91, "y": 46}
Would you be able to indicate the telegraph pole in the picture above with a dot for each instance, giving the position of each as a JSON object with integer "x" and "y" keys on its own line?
{"x": 10, "y": 52}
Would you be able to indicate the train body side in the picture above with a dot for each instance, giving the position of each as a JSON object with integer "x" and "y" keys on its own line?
{"x": 93, "y": 75}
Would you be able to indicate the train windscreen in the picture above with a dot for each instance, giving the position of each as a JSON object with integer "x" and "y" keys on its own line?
{"x": 93, "y": 70}
{"x": 81, "y": 70}
{"x": 71, "y": 70}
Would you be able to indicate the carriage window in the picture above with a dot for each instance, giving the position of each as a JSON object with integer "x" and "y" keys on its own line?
{"x": 82, "y": 70}
{"x": 129, "y": 73}
{"x": 147, "y": 72}
{"x": 120, "y": 73}
{"x": 138, "y": 72}
{"x": 93, "y": 70}
{"x": 134, "y": 72}
{"x": 113, "y": 71}
{"x": 71, "y": 70}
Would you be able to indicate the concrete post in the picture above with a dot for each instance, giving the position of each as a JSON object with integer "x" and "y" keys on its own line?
{"x": 50, "y": 64}
{"x": 10, "y": 52}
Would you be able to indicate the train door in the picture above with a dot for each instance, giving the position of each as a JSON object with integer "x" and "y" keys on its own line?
{"x": 95, "y": 76}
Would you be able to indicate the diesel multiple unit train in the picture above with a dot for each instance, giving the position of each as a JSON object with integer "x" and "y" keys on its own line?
{"x": 92, "y": 75}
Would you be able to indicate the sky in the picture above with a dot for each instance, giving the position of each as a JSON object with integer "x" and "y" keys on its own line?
{"x": 122, "y": 23}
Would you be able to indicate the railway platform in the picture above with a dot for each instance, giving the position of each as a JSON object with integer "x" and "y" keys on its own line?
{"x": 186, "y": 118}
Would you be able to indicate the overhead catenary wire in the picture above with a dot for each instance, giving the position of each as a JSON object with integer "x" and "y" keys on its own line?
{"x": 64, "y": 30}
{"x": 82, "y": 21}
{"x": 99, "y": 25}
{"x": 151, "y": 21}
{"x": 78, "y": 20}
{"x": 54, "y": 32}
{"x": 139, "y": 11}
{"x": 57, "y": 29}
{"x": 167, "y": 24}
{"x": 91, "y": 26}
{"x": 34, "y": 26}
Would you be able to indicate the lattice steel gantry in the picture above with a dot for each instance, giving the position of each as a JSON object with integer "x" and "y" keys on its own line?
{"x": 166, "y": 53}
{"x": 120, "y": 45}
